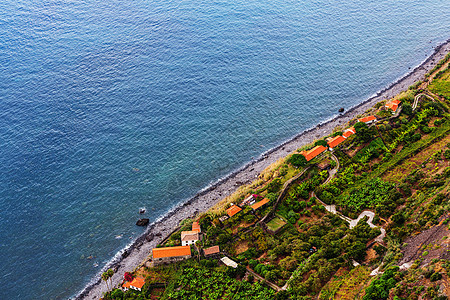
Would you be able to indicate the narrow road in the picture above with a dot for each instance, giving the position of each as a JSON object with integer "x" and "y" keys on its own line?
{"x": 274, "y": 286}
{"x": 417, "y": 97}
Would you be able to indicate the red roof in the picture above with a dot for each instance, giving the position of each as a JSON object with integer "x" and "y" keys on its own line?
{"x": 233, "y": 210}
{"x": 171, "y": 251}
{"x": 393, "y": 105}
{"x": 196, "y": 227}
{"x": 367, "y": 119}
{"x": 211, "y": 250}
{"x": 260, "y": 203}
{"x": 137, "y": 282}
{"x": 313, "y": 152}
{"x": 349, "y": 132}
{"x": 336, "y": 141}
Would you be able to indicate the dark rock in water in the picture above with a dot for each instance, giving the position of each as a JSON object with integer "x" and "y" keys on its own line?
{"x": 341, "y": 109}
{"x": 125, "y": 253}
{"x": 142, "y": 210}
{"x": 142, "y": 222}
{"x": 149, "y": 237}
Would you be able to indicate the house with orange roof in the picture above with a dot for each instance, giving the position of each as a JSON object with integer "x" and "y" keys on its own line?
{"x": 234, "y": 209}
{"x": 313, "y": 152}
{"x": 136, "y": 284}
{"x": 260, "y": 204}
{"x": 333, "y": 142}
{"x": 189, "y": 237}
{"x": 368, "y": 120}
{"x": 211, "y": 251}
{"x": 393, "y": 105}
{"x": 196, "y": 227}
{"x": 348, "y": 132}
{"x": 170, "y": 254}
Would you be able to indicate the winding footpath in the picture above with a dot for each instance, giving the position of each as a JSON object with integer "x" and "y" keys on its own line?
{"x": 353, "y": 222}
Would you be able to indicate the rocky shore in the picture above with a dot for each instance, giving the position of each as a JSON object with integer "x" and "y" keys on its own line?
{"x": 155, "y": 233}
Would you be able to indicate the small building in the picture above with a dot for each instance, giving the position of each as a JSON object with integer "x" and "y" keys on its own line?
{"x": 136, "y": 284}
{"x": 333, "y": 142}
{"x": 313, "y": 152}
{"x": 189, "y": 237}
{"x": 393, "y": 105}
{"x": 260, "y": 204}
{"x": 348, "y": 132}
{"x": 250, "y": 199}
{"x": 196, "y": 227}
{"x": 234, "y": 209}
{"x": 223, "y": 218}
{"x": 211, "y": 251}
{"x": 229, "y": 262}
{"x": 368, "y": 120}
{"x": 170, "y": 254}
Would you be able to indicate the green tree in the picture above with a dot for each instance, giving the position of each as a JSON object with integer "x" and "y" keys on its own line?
{"x": 363, "y": 131}
{"x": 321, "y": 143}
{"x": 105, "y": 278}
{"x": 297, "y": 160}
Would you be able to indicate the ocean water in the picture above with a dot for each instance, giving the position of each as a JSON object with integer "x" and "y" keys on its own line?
{"x": 108, "y": 106}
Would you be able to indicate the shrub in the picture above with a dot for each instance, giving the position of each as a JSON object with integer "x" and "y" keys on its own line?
{"x": 447, "y": 154}
{"x": 297, "y": 160}
{"x": 436, "y": 276}
{"x": 321, "y": 143}
{"x": 274, "y": 186}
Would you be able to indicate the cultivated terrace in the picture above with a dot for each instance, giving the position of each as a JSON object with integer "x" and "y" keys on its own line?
{"x": 360, "y": 214}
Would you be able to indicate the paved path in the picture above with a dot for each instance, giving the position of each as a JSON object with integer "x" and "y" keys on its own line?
{"x": 353, "y": 222}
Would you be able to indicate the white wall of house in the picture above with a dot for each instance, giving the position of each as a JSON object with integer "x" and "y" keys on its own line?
{"x": 185, "y": 243}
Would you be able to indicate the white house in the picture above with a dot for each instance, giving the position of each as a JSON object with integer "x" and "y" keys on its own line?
{"x": 189, "y": 237}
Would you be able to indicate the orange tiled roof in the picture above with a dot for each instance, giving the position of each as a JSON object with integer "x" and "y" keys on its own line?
{"x": 367, "y": 119}
{"x": 196, "y": 227}
{"x": 349, "y": 132}
{"x": 260, "y": 203}
{"x": 138, "y": 282}
{"x": 393, "y": 105}
{"x": 233, "y": 210}
{"x": 189, "y": 236}
{"x": 126, "y": 284}
{"x": 211, "y": 250}
{"x": 336, "y": 141}
{"x": 171, "y": 251}
{"x": 313, "y": 152}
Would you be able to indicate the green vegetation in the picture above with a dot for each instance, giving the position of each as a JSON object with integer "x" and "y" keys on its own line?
{"x": 441, "y": 84}
{"x": 275, "y": 224}
{"x": 399, "y": 170}
{"x": 198, "y": 282}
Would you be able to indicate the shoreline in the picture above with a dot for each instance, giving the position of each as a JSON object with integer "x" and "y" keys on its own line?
{"x": 138, "y": 250}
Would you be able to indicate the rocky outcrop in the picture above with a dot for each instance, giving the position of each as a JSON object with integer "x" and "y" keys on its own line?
{"x": 142, "y": 222}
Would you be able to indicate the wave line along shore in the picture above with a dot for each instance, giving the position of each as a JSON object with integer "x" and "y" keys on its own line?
{"x": 212, "y": 194}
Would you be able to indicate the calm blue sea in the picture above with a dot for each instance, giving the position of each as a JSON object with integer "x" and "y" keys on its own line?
{"x": 107, "y": 106}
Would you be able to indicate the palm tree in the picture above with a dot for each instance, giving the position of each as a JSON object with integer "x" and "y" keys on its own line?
{"x": 105, "y": 279}
{"x": 110, "y": 273}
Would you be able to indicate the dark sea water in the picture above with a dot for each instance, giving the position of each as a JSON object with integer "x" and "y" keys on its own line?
{"x": 108, "y": 106}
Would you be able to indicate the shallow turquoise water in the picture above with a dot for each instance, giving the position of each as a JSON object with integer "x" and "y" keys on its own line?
{"x": 108, "y": 106}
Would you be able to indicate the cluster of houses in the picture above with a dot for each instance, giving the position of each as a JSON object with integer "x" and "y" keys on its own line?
{"x": 333, "y": 142}
{"x": 173, "y": 254}
{"x": 249, "y": 201}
